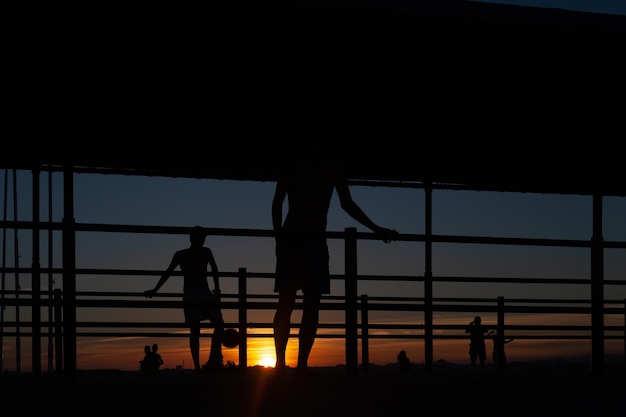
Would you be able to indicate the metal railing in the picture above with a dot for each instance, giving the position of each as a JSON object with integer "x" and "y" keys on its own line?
{"x": 352, "y": 304}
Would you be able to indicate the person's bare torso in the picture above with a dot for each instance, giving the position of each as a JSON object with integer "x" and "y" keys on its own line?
{"x": 309, "y": 192}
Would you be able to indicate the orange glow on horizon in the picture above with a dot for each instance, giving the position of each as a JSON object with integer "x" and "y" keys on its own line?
{"x": 267, "y": 362}
{"x": 124, "y": 353}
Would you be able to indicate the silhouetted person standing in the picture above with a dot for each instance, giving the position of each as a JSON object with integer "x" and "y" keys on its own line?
{"x": 199, "y": 302}
{"x": 498, "y": 355}
{"x": 149, "y": 364}
{"x": 404, "y": 363}
{"x": 302, "y": 258}
{"x": 477, "y": 350}
{"x": 157, "y": 356}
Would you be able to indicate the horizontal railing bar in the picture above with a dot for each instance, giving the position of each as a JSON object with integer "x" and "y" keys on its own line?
{"x": 326, "y": 306}
{"x": 435, "y": 279}
{"x": 322, "y": 336}
{"x": 119, "y": 228}
{"x": 400, "y": 278}
{"x": 268, "y": 325}
{"x": 371, "y": 325}
{"x": 371, "y": 299}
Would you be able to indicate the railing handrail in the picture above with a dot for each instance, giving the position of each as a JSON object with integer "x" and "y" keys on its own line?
{"x": 346, "y": 303}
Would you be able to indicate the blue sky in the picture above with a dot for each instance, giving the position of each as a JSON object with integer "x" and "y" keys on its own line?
{"x": 158, "y": 201}
{"x": 112, "y": 199}
{"x": 594, "y": 6}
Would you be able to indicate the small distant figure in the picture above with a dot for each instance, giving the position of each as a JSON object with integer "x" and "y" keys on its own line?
{"x": 477, "y": 350}
{"x": 149, "y": 364}
{"x": 498, "y": 355}
{"x": 157, "y": 356}
{"x": 404, "y": 363}
{"x": 199, "y": 303}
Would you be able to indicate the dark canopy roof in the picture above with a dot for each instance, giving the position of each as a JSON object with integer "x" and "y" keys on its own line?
{"x": 487, "y": 96}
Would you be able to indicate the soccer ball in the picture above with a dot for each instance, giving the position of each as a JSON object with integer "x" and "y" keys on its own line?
{"x": 230, "y": 338}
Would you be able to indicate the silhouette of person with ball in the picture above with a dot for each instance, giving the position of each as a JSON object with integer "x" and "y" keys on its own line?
{"x": 199, "y": 303}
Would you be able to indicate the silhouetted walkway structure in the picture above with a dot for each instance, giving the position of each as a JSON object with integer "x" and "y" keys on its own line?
{"x": 535, "y": 96}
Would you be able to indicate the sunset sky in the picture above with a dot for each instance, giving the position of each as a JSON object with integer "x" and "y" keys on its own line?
{"x": 154, "y": 201}
{"x": 240, "y": 204}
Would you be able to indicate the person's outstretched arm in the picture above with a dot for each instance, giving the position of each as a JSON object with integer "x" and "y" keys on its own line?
{"x": 277, "y": 205}
{"x": 215, "y": 273}
{"x": 173, "y": 264}
{"x": 353, "y": 209}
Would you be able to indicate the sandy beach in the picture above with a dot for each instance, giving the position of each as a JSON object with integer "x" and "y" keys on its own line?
{"x": 448, "y": 390}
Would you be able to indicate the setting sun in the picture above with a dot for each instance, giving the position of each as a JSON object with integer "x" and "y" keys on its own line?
{"x": 267, "y": 361}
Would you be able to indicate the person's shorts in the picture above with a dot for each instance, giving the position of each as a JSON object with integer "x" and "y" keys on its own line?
{"x": 478, "y": 351}
{"x": 302, "y": 264}
{"x": 199, "y": 306}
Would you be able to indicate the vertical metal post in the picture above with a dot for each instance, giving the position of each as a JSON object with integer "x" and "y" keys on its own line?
{"x": 50, "y": 279}
{"x": 352, "y": 358}
{"x": 499, "y": 340}
{"x": 69, "y": 275}
{"x": 4, "y": 264}
{"x": 58, "y": 329}
{"x": 243, "y": 319}
{"x": 428, "y": 279}
{"x": 365, "y": 350}
{"x": 597, "y": 291}
{"x": 597, "y": 257}
{"x": 16, "y": 254}
{"x": 36, "y": 280}
{"x": 68, "y": 228}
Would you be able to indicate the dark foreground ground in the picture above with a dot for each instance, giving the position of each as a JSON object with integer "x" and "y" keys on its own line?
{"x": 449, "y": 390}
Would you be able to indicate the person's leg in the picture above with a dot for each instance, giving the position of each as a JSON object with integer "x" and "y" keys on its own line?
{"x": 215, "y": 355}
{"x": 194, "y": 344}
{"x": 282, "y": 325}
{"x": 494, "y": 357}
{"x": 308, "y": 327}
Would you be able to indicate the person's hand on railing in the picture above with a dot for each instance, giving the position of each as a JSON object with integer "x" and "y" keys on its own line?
{"x": 387, "y": 235}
